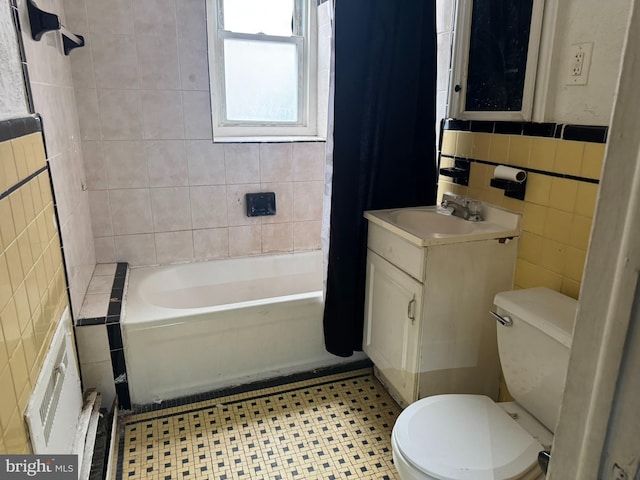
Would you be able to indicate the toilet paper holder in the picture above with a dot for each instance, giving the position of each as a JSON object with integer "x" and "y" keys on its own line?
{"x": 512, "y": 180}
{"x": 511, "y": 189}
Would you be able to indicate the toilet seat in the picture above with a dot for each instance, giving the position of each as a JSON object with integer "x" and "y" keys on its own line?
{"x": 464, "y": 437}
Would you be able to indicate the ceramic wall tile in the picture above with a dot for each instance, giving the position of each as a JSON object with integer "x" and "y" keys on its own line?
{"x": 211, "y": 243}
{"x": 557, "y": 209}
{"x": 171, "y": 209}
{"x": 154, "y": 17}
{"x": 307, "y": 201}
{"x": 166, "y": 163}
{"x": 110, "y": 17}
{"x": 155, "y": 95}
{"x": 206, "y": 163}
{"x": 95, "y": 171}
{"x": 242, "y": 163}
{"x": 159, "y": 68}
{"x": 276, "y": 162}
{"x": 82, "y": 68}
{"x": 100, "y": 213}
{"x": 89, "y": 111}
{"x": 197, "y": 115}
{"x": 162, "y": 112}
{"x": 307, "y": 235}
{"x": 174, "y": 247}
{"x": 137, "y": 250}
{"x": 308, "y": 161}
{"x": 33, "y": 291}
{"x": 115, "y": 61}
{"x": 125, "y": 164}
{"x": 105, "y": 249}
{"x": 120, "y": 114}
{"x": 277, "y": 237}
{"x": 245, "y": 240}
{"x": 194, "y": 67}
{"x": 131, "y": 211}
{"x": 208, "y": 207}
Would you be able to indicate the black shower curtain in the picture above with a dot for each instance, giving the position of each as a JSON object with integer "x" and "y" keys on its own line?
{"x": 384, "y": 140}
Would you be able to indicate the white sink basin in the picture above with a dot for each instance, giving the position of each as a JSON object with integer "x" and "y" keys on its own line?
{"x": 431, "y": 222}
{"x": 433, "y": 225}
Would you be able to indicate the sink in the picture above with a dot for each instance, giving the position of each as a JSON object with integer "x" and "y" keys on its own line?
{"x": 431, "y": 222}
{"x": 432, "y": 225}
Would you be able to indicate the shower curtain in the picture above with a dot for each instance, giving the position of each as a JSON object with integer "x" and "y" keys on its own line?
{"x": 382, "y": 153}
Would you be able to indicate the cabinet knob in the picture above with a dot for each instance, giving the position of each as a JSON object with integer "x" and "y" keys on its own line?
{"x": 457, "y": 88}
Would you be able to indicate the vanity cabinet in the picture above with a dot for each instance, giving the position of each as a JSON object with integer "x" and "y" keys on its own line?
{"x": 427, "y": 326}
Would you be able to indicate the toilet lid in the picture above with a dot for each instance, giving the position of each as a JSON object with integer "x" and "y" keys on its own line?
{"x": 464, "y": 437}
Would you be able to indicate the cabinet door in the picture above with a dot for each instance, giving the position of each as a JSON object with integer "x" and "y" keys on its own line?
{"x": 393, "y": 304}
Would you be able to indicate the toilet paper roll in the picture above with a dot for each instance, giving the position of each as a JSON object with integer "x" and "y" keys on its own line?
{"x": 509, "y": 173}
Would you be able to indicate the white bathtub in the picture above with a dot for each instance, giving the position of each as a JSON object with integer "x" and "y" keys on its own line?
{"x": 201, "y": 326}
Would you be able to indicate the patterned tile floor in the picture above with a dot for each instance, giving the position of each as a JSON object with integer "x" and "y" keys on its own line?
{"x": 330, "y": 427}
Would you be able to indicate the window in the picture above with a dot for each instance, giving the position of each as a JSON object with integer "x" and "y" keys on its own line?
{"x": 495, "y": 57}
{"x": 262, "y": 56}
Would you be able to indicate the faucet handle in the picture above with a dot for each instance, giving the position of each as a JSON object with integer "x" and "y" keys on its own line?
{"x": 474, "y": 207}
{"x": 449, "y": 197}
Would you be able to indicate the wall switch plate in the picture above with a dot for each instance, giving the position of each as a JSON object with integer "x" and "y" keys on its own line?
{"x": 579, "y": 63}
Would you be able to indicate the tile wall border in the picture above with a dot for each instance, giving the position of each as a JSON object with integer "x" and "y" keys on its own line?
{"x": 580, "y": 133}
{"x": 112, "y": 323}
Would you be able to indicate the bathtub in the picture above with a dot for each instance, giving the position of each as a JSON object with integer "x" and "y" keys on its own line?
{"x": 200, "y": 326}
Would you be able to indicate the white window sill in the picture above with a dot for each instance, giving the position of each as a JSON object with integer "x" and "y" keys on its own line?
{"x": 283, "y": 139}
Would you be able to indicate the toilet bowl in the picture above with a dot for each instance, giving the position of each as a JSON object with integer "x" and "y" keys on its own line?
{"x": 471, "y": 437}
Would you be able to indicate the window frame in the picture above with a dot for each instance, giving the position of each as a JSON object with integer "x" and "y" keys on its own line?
{"x": 460, "y": 63}
{"x": 306, "y": 43}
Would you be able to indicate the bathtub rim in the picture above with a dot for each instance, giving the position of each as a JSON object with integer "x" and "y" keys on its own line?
{"x": 134, "y": 301}
{"x": 174, "y": 316}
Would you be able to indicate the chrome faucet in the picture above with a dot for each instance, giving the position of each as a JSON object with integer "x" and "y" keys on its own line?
{"x": 462, "y": 207}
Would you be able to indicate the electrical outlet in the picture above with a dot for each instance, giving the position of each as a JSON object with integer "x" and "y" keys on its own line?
{"x": 580, "y": 61}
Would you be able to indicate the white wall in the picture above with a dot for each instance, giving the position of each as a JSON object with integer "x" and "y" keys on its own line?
{"x": 579, "y": 21}
{"x": 12, "y": 95}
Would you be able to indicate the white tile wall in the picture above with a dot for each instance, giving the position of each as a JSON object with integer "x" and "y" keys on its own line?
{"x": 50, "y": 73}
{"x": 161, "y": 190}
{"x": 126, "y": 165}
{"x": 208, "y": 206}
{"x": 132, "y": 209}
{"x": 136, "y": 249}
{"x": 167, "y": 163}
{"x": 210, "y": 243}
{"x": 206, "y": 163}
{"x": 174, "y": 247}
{"x": 120, "y": 113}
{"x": 171, "y": 209}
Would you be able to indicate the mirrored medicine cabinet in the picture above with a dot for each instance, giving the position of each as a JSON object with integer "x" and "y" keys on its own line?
{"x": 495, "y": 55}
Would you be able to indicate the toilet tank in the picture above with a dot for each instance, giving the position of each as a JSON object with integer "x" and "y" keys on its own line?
{"x": 534, "y": 350}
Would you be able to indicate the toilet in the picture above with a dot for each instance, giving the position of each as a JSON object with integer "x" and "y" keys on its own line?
{"x": 471, "y": 437}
